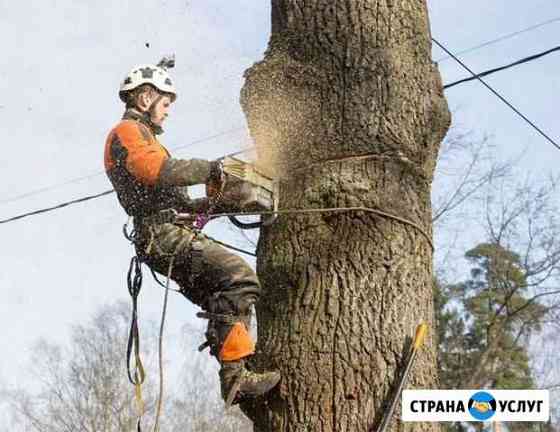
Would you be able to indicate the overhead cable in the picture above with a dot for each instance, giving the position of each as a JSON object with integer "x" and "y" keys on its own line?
{"x": 458, "y": 54}
{"x": 447, "y": 86}
{"x": 499, "y": 39}
{"x": 98, "y": 173}
{"x": 504, "y": 100}
{"x": 501, "y": 68}
{"x": 86, "y": 198}
{"x": 56, "y": 207}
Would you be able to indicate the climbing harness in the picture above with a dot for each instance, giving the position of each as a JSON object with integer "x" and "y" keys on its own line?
{"x": 196, "y": 222}
{"x": 264, "y": 197}
{"x": 137, "y": 374}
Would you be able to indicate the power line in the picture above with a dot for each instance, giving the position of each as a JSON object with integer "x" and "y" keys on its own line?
{"x": 48, "y": 188}
{"x": 468, "y": 50}
{"x": 56, "y": 207}
{"x": 501, "y": 68}
{"x": 447, "y": 86}
{"x": 499, "y": 39}
{"x": 533, "y": 125}
{"x": 192, "y": 143}
{"x": 86, "y": 198}
{"x": 98, "y": 173}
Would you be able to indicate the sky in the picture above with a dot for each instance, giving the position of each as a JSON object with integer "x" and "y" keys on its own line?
{"x": 61, "y": 65}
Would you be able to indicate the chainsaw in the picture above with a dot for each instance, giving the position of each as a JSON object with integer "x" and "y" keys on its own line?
{"x": 250, "y": 190}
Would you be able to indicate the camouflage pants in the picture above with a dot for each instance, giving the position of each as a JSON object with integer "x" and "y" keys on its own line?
{"x": 224, "y": 282}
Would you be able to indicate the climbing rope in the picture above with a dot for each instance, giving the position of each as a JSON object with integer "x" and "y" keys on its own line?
{"x": 172, "y": 257}
{"x": 137, "y": 374}
{"x": 182, "y": 216}
{"x": 197, "y": 222}
{"x": 160, "y": 343}
{"x": 401, "y": 158}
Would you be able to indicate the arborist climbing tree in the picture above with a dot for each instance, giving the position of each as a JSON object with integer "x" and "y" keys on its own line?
{"x": 348, "y": 108}
{"x": 151, "y": 185}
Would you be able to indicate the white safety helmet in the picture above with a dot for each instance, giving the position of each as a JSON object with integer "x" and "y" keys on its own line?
{"x": 148, "y": 74}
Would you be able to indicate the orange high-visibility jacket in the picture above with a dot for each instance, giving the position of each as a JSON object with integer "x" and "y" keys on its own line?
{"x": 145, "y": 177}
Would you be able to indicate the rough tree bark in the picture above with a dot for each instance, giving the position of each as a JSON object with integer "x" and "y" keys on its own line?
{"x": 343, "y": 292}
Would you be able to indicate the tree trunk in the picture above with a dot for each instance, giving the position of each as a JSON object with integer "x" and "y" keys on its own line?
{"x": 348, "y": 110}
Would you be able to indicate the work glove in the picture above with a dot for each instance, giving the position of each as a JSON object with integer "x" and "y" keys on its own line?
{"x": 216, "y": 179}
{"x": 216, "y": 170}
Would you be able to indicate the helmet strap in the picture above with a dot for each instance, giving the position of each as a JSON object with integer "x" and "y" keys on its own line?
{"x": 152, "y": 108}
{"x": 150, "y": 115}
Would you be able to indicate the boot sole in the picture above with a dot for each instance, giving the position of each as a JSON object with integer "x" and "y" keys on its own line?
{"x": 237, "y": 385}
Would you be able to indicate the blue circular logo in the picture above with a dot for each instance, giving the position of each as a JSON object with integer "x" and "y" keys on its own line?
{"x": 482, "y": 405}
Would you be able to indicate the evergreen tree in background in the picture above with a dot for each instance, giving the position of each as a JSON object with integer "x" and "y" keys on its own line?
{"x": 484, "y": 323}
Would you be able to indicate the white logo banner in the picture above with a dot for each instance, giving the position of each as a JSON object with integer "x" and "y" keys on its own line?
{"x": 475, "y": 405}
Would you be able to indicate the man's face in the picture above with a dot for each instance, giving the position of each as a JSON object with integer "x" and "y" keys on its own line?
{"x": 160, "y": 110}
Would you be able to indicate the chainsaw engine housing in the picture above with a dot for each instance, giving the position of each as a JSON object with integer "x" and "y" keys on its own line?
{"x": 245, "y": 184}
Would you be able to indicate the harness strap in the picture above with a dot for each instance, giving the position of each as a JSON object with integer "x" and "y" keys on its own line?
{"x": 228, "y": 319}
{"x": 212, "y": 338}
{"x": 160, "y": 217}
{"x": 137, "y": 374}
{"x": 134, "y": 282}
{"x": 211, "y": 332}
{"x": 196, "y": 260}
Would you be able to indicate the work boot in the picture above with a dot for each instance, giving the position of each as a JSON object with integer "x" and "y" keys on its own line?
{"x": 238, "y": 382}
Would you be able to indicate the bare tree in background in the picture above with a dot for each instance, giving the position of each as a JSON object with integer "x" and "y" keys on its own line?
{"x": 467, "y": 164}
{"x": 545, "y": 350}
{"x": 526, "y": 216}
{"x": 477, "y": 190}
{"x": 4, "y": 407}
{"x": 513, "y": 294}
{"x": 85, "y": 387}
